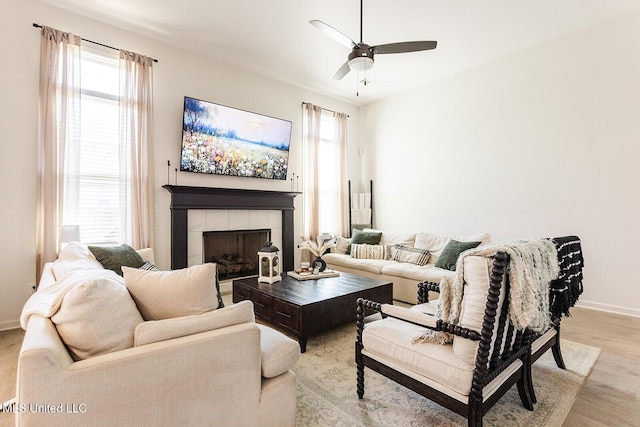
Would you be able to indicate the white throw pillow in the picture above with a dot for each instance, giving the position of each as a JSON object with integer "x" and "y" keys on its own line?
{"x": 342, "y": 245}
{"x": 97, "y": 316}
{"x": 147, "y": 255}
{"x": 168, "y": 294}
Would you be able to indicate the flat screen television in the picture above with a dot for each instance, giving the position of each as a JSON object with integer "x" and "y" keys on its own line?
{"x": 222, "y": 140}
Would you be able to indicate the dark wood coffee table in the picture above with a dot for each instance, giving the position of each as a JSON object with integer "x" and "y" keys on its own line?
{"x": 305, "y": 308}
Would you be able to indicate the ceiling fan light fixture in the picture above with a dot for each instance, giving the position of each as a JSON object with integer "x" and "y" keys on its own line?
{"x": 361, "y": 63}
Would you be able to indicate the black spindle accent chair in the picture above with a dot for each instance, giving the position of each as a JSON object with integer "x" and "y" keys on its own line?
{"x": 487, "y": 357}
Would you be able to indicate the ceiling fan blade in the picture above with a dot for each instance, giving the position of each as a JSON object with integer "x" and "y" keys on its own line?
{"x": 342, "y": 71}
{"x": 333, "y": 33}
{"x": 404, "y": 47}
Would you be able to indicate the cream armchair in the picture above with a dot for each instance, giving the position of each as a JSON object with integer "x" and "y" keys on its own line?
{"x": 214, "y": 368}
{"x": 216, "y": 377}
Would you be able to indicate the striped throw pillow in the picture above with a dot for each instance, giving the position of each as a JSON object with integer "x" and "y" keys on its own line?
{"x": 148, "y": 266}
{"x": 364, "y": 251}
{"x": 412, "y": 255}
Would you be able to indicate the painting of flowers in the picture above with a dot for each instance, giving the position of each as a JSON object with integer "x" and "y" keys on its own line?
{"x": 227, "y": 141}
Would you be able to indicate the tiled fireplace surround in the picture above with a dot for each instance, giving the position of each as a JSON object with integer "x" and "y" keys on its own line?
{"x": 195, "y": 210}
{"x": 200, "y": 221}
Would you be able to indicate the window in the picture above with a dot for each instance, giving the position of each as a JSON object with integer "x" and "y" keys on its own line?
{"x": 95, "y": 190}
{"x": 328, "y": 155}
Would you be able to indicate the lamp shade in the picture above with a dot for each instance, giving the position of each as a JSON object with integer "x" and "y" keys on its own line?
{"x": 70, "y": 233}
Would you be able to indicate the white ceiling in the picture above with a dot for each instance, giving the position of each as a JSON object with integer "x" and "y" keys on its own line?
{"x": 274, "y": 37}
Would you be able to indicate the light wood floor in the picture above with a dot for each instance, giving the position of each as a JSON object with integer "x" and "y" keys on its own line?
{"x": 610, "y": 396}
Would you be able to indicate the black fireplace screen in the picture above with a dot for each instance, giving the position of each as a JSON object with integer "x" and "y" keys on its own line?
{"x": 235, "y": 252}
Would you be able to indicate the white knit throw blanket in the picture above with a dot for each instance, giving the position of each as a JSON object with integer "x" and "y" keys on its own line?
{"x": 533, "y": 264}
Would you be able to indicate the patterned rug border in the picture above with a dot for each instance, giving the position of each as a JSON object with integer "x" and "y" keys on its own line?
{"x": 327, "y": 380}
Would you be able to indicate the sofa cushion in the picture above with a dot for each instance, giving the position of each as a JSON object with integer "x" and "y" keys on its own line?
{"x": 451, "y": 252}
{"x": 279, "y": 353}
{"x": 370, "y": 265}
{"x": 391, "y": 239}
{"x": 431, "y": 242}
{"x": 416, "y": 256}
{"x": 419, "y": 273}
{"x": 167, "y": 294}
{"x": 115, "y": 257}
{"x": 364, "y": 251}
{"x": 97, "y": 316}
{"x": 166, "y": 329}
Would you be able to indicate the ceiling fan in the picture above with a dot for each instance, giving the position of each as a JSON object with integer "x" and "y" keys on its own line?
{"x": 361, "y": 56}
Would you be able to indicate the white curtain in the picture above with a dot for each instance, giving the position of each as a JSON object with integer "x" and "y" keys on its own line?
{"x": 311, "y": 119}
{"x": 312, "y": 123}
{"x": 58, "y": 129}
{"x": 340, "y": 137}
{"x": 59, "y": 142}
{"x": 136, "y": 141}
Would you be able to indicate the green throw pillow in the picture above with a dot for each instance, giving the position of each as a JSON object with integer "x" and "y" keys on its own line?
{"x": 451, "y": 252}
{"x": 364, "y": 238}
{"x": 114, "y": 257}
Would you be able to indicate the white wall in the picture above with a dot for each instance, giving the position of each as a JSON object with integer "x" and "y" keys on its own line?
{"x": 178, "y": 73}
{"x": 542, "y": 143}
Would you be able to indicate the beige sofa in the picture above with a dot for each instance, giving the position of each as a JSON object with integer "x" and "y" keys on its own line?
{"x": 404, "y": 275}
{"x": 216, "y": 368}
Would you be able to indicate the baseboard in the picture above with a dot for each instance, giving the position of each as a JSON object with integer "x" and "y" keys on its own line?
{"x": 615, "y": 309}
{"x": 13, "y": 324}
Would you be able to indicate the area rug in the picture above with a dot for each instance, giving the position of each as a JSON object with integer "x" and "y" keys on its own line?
{"x": 326, "y": 375}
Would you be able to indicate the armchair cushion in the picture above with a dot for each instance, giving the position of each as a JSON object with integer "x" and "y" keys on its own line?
{"x": 97, "y": 316}
{"x": 412, "y": 315}
{"x": 279, "y": 352}
{"x": 166, "y": 329}
{"x": 168, "y": 294}
{"x": 390, "y": 340}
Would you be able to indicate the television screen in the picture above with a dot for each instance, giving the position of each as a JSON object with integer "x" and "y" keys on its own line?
{"x": 227, "y": 141}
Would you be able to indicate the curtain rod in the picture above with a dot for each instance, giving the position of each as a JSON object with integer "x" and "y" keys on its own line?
{"x": 325, "y": 109}
{"x": 91, "y": 41}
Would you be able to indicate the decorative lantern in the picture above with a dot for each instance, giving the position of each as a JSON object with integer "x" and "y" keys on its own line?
{"x": 268, "y": 264}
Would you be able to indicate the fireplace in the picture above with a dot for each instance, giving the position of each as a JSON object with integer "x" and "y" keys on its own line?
{"x": 235, "y": 252}
{"x": 185, "y": 199}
